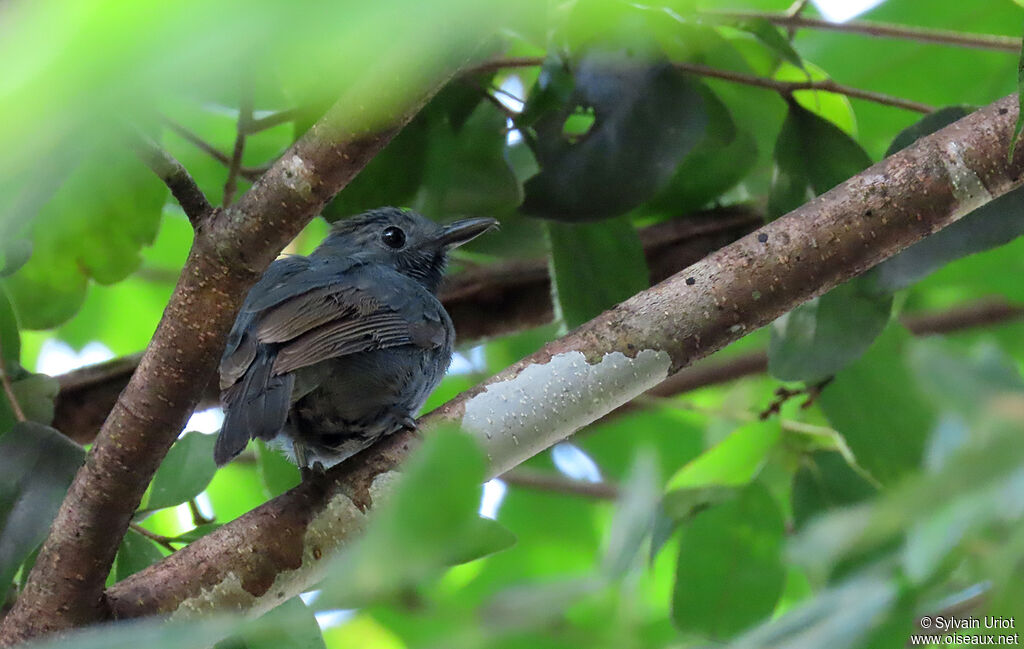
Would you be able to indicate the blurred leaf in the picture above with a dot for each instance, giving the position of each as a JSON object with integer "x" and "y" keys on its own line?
{"x": 486, "y": 536}
{"x": 837, "y": 618}
{"x": 875, "y": 406}
{"x": 37, "y": 465}
{"x": 185, "y": 472}
{"x": 424, "y": 525}
{"x": 730, "y": 571}
{"x": 716, "y": 164}
{"x": 812, "y": 156}
{"x": 732, "y": 462}
{"x": 648, "y": 116}
{"x": 291, "y": 625}
{"x": 594, "y": 266}
{"x": 136, "y": 553}
{"x": 676, "y": 437}
{"x": 822, "y": 336}
{"x": 826, "y": 481}
{"x": 1019, "y": 126}
{"x": 539, "y": 604}
{"x": 970, "y": 384}
{"x": 993, "y": 224}
{"x": 277, "y": 474}
{"x": 93, "y": 227}
{"x": 634, "y": 516}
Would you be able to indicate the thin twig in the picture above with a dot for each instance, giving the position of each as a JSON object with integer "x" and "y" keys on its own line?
{"x": 197, "y": 516}
{"x": 547, "y": 481}
{"x": 782, "y": 87}
{"x": 165, "y": 541}
{"x": 797, "y": 8}
{"x": 5, "y": 379}
{"x": 885, "y": 30}
{"x": 176, "y": 177}
{"x": 235, "y": 164}
{"x": 789, "y": 87}
{"x": 270, "y": 121}
{"x": 210, "y": 150}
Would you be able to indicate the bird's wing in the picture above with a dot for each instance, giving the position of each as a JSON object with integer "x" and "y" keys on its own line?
{"x": 374, "y": 309}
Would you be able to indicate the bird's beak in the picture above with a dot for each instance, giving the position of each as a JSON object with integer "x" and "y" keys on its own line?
{"x": 460, "y": 232}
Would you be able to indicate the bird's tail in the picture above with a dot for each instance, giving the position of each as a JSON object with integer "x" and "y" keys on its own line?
{"x": 255, "y": 407}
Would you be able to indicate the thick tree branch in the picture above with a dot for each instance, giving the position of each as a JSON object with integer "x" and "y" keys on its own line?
{"x": 276, "y": 551}
{"x": 484, "y": 303}
{"x": 65, "y": 588}
{"x": 176, "y": 177}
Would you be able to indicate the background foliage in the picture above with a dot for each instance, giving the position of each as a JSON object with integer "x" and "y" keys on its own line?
{"x": 891, "y": 489}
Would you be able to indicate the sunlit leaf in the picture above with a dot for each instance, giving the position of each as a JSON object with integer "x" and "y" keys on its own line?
{"x": 185, "y": 472}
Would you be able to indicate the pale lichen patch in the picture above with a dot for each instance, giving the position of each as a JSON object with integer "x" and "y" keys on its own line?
{"x": 969, "y": 191}
{"x": 516, "y": 419}
{"x": 297, "y": 176}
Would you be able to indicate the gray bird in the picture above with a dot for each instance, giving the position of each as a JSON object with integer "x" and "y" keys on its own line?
{"x": 332, "y": 351}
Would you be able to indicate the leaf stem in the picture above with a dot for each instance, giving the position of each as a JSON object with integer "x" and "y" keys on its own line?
{"x": 5, "y": 379}
{"x": 165, "y": 541}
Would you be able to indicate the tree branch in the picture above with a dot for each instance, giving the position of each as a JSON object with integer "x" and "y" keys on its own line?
{"x": 176, "y": 177}
{"x": 65, "y": 587}
{"x": 276, "y": 551}
{"x": 235, "y": 164}
{"x": 210, "y": 150}
{"x": 884, "y": 30}
{"x": 785, "y": 88}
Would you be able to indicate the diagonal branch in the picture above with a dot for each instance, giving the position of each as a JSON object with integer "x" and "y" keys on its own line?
{"x": 235, "y": 164}
{"x": 276, "y": 551}
{"x": 176, "y": 177}
{"x": 65, "y": 587}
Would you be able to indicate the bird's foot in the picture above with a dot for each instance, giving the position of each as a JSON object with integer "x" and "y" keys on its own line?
{"x": 315, "y": 475}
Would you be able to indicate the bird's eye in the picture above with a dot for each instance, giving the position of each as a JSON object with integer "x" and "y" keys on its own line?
{"x": 393, "y": 237}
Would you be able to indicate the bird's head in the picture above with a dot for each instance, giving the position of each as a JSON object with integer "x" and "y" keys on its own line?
{"x": 404, "y": 240}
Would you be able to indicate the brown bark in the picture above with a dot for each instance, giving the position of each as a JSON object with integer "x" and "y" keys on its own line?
{"x": 688, "y": 316}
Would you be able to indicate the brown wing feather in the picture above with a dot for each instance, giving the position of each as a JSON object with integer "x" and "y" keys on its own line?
{"x": 309, "y": 310}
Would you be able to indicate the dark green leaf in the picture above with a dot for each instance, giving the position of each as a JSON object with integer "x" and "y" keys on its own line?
{"x": 730, "y": 572}
{"x": 822, "y": 336}
{"x": 93, "y": 227}
{"x": 878, "y": 410}
{"x": 721, "y": 160}
{"x": 197, "y": 532}
{"x": 184, "y": 473}
{"x": 9, "y": 338}
{"x": 648, "y": 116}
{"x": 812, "y": 156}
{"x": 594, "y": 266}
{"x": 824, "y": 481}
{"x": 136, "y": 553}
{"x": 466, "y": 169}
{"x": 1019, "y": 126}
{"x": 993, "y": 224}
{"x": 37, "y": 465}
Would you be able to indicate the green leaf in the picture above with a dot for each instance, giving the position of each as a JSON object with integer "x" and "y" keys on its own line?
{"x": 136, "y": 553}
{"x": 425, "y": 525}
{"x": 594, "y": 266}
{"x": 822, "y": 336}
{"x": 825, "y": 481}
{"x": 730, "y": 572}
{"x": 878, "y": 410}
{"x": 647, "y": 117}
{"x": 291, "y": 625}
{"x": 37, "y": 465}
{"x": 466, "y": 169}
{"x": 812, "y": 155}
{"x": 634, "y": 517}
{"x": 9, "y": 338}
{"x": 1019, "y": 126}
{"x": 771, "y": 37}
{"x": 734, "y": 461}
{"x": 93, "y": 227}
{"x": 991, "y": 225}
{"x": 970, "y": 384}
{"x": 184, "y": 473}
{"x": 197, "y": 532}
{"x": 277, "y": 474}
{"x": 33, "y": 392}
